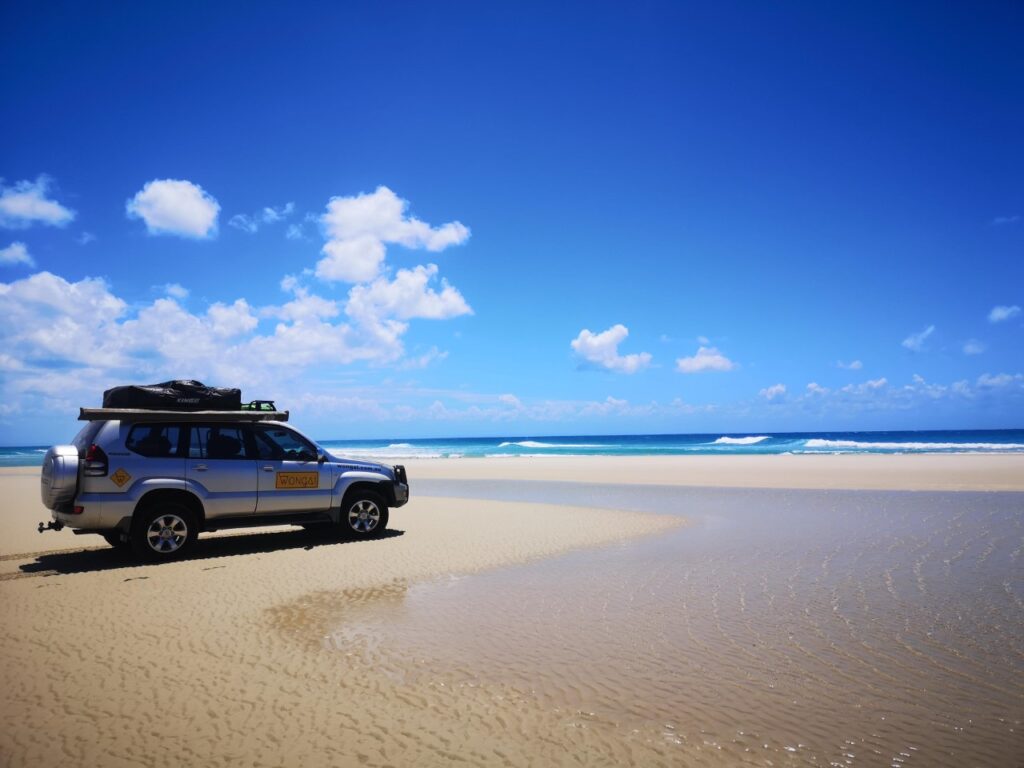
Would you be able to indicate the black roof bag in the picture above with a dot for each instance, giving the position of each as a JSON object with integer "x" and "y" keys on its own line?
{"x": 174, "y": 396}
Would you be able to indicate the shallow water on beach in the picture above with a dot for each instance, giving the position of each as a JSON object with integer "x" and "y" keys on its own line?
{"x": 782, "y": 627}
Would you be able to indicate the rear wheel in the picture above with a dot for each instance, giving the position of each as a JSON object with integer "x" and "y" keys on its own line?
{"x": 164, "y": 531}
{"x": 364, "y": 515}
{"x": 114, "y": 539}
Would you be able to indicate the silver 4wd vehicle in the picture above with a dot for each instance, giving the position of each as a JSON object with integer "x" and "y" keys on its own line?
{"x": 153, "y": 480}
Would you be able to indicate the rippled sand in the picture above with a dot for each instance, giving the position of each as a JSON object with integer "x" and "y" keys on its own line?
{"x": 778, "y": 627}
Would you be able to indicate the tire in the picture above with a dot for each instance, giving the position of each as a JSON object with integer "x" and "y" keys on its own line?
{"x": 364, "y": 515}
{"x": 164, "y": 531}
{"x": 114, "y": 540}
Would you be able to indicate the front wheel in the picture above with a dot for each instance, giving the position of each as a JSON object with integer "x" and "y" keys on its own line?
{"x": 364, "y": 515}
{"x": 163, "y": 532}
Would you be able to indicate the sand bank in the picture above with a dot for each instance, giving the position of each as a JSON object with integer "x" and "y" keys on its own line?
{"x": 781, "y": 624}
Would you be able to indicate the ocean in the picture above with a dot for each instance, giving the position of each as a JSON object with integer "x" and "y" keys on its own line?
{"x": 932, "y": 441}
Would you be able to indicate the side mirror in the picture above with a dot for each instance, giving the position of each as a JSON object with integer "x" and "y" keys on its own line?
{"x": 321, "y": 457}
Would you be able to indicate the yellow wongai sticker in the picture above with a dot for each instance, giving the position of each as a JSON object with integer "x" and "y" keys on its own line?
{"x": 298, "y": 480}
{"x": 120, "y": 478}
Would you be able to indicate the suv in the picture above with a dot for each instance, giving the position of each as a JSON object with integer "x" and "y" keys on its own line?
{"x": 153, "y": 480}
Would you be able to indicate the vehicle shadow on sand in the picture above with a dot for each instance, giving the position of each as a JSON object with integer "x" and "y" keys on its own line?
{"x": 109, "y": 558}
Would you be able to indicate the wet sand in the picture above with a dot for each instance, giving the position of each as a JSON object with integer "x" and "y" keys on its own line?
{"x": 516, "y": 621}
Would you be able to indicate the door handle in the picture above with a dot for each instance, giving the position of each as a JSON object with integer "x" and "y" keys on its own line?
{"x": 199, "y": 467}
{"x": 268, "y": 469}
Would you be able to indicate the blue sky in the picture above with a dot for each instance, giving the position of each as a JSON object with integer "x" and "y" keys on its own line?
{"x": 409, "y": 219}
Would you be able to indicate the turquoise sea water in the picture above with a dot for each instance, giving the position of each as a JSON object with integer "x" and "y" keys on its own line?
{"x": 938, "y": 441}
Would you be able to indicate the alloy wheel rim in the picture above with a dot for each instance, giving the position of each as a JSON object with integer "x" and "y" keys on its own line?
{"x": 167, "y": 534}
{"x": 363, "y": 516}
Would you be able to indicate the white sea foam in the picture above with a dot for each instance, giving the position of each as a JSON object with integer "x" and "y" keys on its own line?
{"x": 873, "y": 446}
{"x": 740, "y": 440}
{"x": 535, "y": 444}
{"x": 400, "y": 445}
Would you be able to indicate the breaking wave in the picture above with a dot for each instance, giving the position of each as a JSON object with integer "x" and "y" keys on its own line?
{"x": 741, "y": 440}
{"x": 857, "y": 445}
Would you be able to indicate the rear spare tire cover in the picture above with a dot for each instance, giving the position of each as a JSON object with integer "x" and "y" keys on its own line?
{"x": 59, "y": 480}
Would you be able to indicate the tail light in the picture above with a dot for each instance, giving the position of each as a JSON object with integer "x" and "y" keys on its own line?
{"x": 96, "y": 462}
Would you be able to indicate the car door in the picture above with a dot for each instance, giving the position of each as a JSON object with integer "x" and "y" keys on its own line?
{"x": 221, "y": 464}
{"x": 291, "y": 479}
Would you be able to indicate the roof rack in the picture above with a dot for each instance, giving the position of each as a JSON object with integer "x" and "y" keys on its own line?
{"x": 143, "y": 414}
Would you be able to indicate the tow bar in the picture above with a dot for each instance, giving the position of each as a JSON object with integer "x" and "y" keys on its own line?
{"x": 50, "y": 526}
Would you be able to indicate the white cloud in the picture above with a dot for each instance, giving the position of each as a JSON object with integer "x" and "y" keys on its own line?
{"x": 1000, "y": 380}
{"x": 358, "y": 228}
{"x": 85, "y": 238}
{"x": 868, "y": 386}
{"x": 603, "y": 349}
{"x": 175, "y": 290}
{"x": 407, "y": 296}
{"x": 706, "y": 359}
{"x": 773, "y": 392}
{"x": 853, "y": 365}
{"x": 703, "y": 341}
{"x": 26, "y": 203}
{"x": 269, "y": 215}
{"x": 16, "y": 253}
{"x": 357, "y": 260}
{"x": 175, "y": 207}
{"x": 973, "y": 347}
{"x": 244, "y": 222}
{"x": 1000, "y": 313}
{"x": 814, "y": 388}
{"x": 294, "y": 232}
{"x": 428, "y": 358}
{"x": 915, "y": 341}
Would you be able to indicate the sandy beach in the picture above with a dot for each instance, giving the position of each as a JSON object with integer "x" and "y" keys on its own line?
{"x": 598, "y": 611}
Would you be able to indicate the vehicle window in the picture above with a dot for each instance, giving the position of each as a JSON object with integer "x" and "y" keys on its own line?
{"x": 154, "y": 440}
{"x": 86, "y": 435}
{"x": 283, "y": 445}
{"x": 217, "y": 442}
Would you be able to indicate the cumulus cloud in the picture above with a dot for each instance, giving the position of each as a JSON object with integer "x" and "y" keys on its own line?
{"x": 774, "y": 392}
{"x": 355, "y": 260}
{"x": 706, "y": 359}
{"x": 1000, "y": 314}
{"x": 915, "y": 341}
{"x": 973, "y": 347}
{"x": 175, "y": 207}
{"x": 603, "y": 349}
{"x": 53, "y": 324}
{"x": 814, "y": 388}
{"x": 407, "y": 296}
{"x": 26, "y": 203}
{"x": 16, "y": 253}
{"x": 176, "y": 290}
{"x": 853, "y": 365}
{"x": 358, "y": 229}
